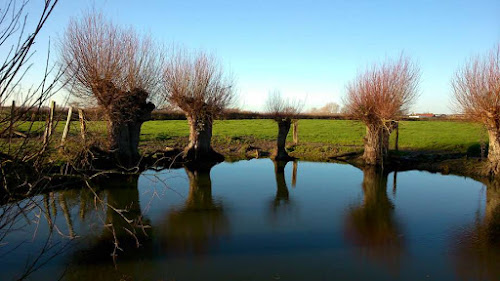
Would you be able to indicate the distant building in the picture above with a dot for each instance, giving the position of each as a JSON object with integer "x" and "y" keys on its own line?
{"x": 422, "y": 115}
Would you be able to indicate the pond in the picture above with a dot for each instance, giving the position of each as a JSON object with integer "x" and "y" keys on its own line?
{"x": 258, "y": 220}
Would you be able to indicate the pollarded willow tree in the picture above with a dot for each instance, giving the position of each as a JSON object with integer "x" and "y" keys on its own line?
{"x": 198, "y": 85}
{"x": 119, "y": 70}
{"x": 283, "y": 111}
{"x": 477, "y": 94}
{"x": 378, "y": 97}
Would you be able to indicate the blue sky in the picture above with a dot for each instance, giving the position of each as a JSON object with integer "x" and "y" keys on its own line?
{"x": 307, "y": 49}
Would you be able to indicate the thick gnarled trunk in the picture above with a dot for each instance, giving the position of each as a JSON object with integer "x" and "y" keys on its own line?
{"x": 377, "y": 142}
{"x": 124, "y": 141}
{"x": 376, "y": 145}
{"x": 494, "y": 151}
{"x": 124, "y": 136}
{"x": 283, "y": 129}
{"x": 125, "y": 117}
{"x": 200, "y": 141}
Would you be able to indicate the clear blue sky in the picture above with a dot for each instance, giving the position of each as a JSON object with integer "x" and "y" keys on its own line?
{"x": 309, "y": 48}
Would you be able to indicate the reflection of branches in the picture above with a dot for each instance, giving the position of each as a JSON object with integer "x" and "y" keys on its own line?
{"x": 49, "y": 251}
{"x": 477, "y": 250}
{"x": 116, "y": 210}
{"x": 124, "y": 224}
{"x": 31, "y": 212}
{"x": 372, "y": 225}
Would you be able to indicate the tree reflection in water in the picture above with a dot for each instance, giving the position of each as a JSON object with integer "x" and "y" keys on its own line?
{"x": 123, "y": 234}
{"x": 282, "y": 195}
{"x": 281, "y": 205}
{"x": 126, "y": 231}
{"x": 476, "y": 250}
{"x": 200, "y": 222}
{"x": 372, "y": 226}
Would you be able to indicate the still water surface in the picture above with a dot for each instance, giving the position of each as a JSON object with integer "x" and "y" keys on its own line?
{"x": 259, "y": 220}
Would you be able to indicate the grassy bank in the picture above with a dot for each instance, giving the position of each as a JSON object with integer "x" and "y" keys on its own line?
{"x": 318, "y": 139}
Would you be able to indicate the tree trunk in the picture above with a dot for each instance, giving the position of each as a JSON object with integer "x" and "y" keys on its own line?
{"x": 200, "y": 141}
{"x": 283, "y": 129}
{"x": 124, "y": 134}
{"x": 376, "y": 145}
{"x": 494, "y": 151}
{"x": 122, "y": 141}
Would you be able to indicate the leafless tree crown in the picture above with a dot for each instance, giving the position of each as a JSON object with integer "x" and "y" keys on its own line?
{"x": 280, "y": 107}
{"x": 383, "y": 92}
{"x": 197, "y": 83}
{"x": 477, "y": 88}
{"x": 106, "y": 61}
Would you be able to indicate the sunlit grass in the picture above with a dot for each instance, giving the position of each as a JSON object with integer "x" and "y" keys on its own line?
{"x": 414, "y": 135}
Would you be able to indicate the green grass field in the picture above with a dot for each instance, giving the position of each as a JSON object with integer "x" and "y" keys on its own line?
{"x": 414, "y": 135}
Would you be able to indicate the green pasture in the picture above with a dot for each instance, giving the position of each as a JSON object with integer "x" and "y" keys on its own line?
{"x": 414, "y": 135}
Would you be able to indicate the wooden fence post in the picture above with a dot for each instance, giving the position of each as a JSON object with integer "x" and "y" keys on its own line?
{"x": 11, "y": 125}
{"x": 295, "y": 132}
{"x": 83, "y": 127}
{"x": 66, "y": 127}
{"x": 50, "y": 123}
{"x": 396, "y": 146}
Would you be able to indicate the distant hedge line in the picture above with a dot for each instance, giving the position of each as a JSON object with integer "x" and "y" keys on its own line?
{"x": 92, "y": 114}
